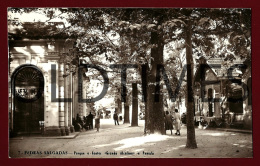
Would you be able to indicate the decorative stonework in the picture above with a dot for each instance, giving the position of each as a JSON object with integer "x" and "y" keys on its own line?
{"x": 57, "y": 115}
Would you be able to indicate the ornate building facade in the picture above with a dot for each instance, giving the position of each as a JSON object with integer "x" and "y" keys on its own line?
{"x": 43, "y": 88}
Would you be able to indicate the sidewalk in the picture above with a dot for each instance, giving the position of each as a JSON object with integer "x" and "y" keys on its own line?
{"x": 71, "y": 136}
{"x": 232, "y": 130}
{"x": 124, "y": 141}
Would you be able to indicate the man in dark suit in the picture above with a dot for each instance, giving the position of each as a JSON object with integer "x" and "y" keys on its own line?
{"x": 90, "y": 120}
{"x": 115, "y": 118}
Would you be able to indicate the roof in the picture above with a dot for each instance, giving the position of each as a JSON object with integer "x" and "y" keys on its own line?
{"x": 201, "y": 72}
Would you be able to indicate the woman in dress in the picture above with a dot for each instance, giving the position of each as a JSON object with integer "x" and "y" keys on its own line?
{"x": 97, "y": 121}
{"x": 168, "y": 122}
{"x": 177, "y": 118}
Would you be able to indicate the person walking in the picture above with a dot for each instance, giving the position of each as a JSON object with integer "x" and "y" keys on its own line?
{"x": 168, "y": 122}
{"x": 115, "y": 117}
{"x": 177, "y": 118}
{"x": 97, "y": 121}
{"x": 90, "y": 120}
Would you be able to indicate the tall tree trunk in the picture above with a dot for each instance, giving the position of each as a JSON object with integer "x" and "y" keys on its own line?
{"x": 126, "y": 114}
{"x": 146, "y": 118}
{"x": 143, "y": 73}
{"x": 119, "y": 106}
{"x": 191, "y": 140}
{"x": 134, "y": 105}
{"x": 156, "y": 112}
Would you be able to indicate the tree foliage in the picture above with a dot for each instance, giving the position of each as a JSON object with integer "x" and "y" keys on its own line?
{"x": 143, "y": 36}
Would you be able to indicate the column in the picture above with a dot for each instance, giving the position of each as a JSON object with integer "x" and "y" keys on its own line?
{"x": 75, "y": 96}
{"x": 80, "y": 95}
{"x": 52, "y": 126}
{"x": 66, "y": 106}
{"x": 61, "y": 95}
{"x": 70, "y": 104}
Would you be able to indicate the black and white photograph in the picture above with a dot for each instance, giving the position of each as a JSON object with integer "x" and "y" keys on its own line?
{"x": 129, "y": 82}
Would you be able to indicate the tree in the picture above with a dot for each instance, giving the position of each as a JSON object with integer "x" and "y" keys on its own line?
{"x": 140, "y": 35}
{"x": 201, "y": 28}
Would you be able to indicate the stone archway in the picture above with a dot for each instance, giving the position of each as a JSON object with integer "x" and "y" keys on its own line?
{"x": 28, "y": 99}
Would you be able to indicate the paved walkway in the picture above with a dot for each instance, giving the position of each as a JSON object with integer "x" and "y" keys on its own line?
{"x": 124, "y": 141}
{"x": 232, "y": 130}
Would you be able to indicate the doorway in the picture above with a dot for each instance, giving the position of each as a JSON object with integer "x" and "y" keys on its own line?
{"x": 28, "y": 99}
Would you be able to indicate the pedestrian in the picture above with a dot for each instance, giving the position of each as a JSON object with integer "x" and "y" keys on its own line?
{"x": 183, "y": 118}
{"x": 90, "y": 120}
{"x": 168, "y": 122}
{"x": 115, "y": 118}
{"x": 97, "y": 121}
{"x": 85, "y": 125}
{"x": 76, "y": 125}
{"x": 177, "y": 118}
{"x": 79, "y": 121}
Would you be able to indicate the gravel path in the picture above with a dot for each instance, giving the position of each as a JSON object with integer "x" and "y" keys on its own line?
{"x": 124, "y": 141}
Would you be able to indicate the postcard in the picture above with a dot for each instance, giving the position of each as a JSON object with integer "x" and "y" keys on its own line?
{"x": 129, "y": 82}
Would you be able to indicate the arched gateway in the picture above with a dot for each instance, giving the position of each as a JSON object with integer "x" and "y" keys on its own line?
{"x": 28, "y": 99}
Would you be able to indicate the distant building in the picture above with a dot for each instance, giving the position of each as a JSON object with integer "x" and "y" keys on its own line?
{"x": 216, "y": 96}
